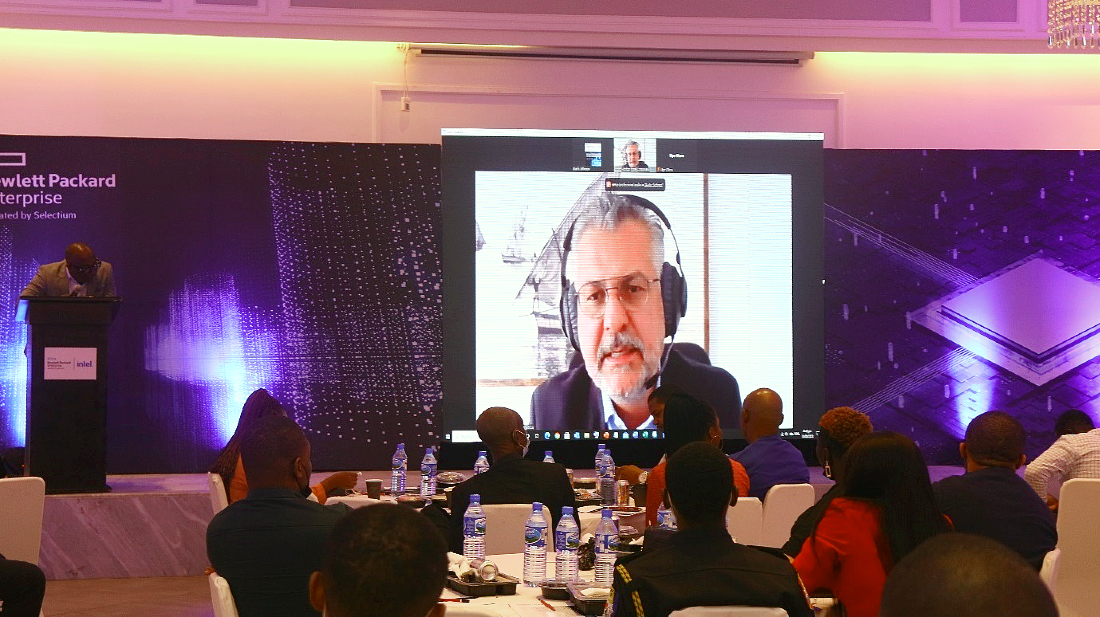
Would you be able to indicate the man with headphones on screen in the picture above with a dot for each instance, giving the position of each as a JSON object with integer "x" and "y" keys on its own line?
{"x": 620, "y": 300}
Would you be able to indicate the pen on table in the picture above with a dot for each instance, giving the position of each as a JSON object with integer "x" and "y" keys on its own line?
{"x": 547, "y": 605}
{"x": 454, "y": 600}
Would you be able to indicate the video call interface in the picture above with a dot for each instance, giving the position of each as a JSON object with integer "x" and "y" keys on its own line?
{"x": 584, "y": 268}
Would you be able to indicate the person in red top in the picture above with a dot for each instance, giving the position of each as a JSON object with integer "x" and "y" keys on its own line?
{"x": 885, "y": 510}
{"x": 686, "y": 420}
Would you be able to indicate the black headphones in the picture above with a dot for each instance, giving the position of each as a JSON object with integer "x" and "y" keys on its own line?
{"x": 673, "y": 285}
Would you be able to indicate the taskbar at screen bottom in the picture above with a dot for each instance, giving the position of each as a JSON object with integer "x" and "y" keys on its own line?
{"x": 467, "y": 436}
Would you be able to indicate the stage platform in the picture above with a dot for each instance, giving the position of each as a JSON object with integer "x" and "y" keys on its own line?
{"x": 155, "y": 525}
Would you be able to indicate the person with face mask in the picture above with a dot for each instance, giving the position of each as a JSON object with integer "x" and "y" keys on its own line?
{"x": 269, "y": 543}
{"x": 511, "y": 478}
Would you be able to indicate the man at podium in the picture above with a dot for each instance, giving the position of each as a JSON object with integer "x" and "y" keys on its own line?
{"x": 79, "y": 274}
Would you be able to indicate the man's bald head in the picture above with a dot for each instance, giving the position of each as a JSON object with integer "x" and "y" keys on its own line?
{"x": 761, "y": 414}
{"x": 79, "y": 250}
{"x": 497, "y": 426}
{"x": 81, "y": 262}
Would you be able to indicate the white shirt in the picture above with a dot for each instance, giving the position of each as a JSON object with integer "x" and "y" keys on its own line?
{"x": 612, "y": 420}
{"x": 1072, "y": 456}
{"x": 75, "y": 286}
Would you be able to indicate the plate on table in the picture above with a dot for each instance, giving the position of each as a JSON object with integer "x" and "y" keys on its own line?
{"x": 587, "y": 598}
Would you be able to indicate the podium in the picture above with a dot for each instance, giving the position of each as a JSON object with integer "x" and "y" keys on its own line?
{"x": 66, "y": 441}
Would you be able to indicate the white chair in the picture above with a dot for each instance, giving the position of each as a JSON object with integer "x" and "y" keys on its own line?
{"x": 219, "y": 498}
{"x": 1050, "y": 568}
{"x": 457, "y": 610}
{"x": 726, "y": 611}
{"x": 21, "y": 504}
{"x": 743, "y": 520}
{"x": 1073, "y": 577}
{"x": 504, "y": 525}
{"x": 782, "y": 505}
{"x": 221, "y": 596}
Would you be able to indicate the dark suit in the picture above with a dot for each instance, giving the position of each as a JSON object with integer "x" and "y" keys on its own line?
{"x": 267, "y": 545}
{"x": 996, "y": 503}
{"x": 705, "y": 567}
{"x": 513, "y": 480}
{"x": 570, "y": 401}
{"x": 52, "y": 280}
{"x": 22, "y": 587}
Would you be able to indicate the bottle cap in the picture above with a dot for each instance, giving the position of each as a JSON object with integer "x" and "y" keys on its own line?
{"x": 481, "y": 452}
{"x": 401, "y": 446}
{"x": 549, "y": 453}
{"x": 475, "y": 498}
{"x": 567, "y": 510}
{"x": 605, "y": 513}
{"x": 428, "y": 450}
{"x": 536, "y": 507}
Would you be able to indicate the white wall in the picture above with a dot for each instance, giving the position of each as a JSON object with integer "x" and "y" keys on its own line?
{"x": 69, "y": 83}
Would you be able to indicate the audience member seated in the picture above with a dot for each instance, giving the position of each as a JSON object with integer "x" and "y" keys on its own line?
{"x": 656, "y": 401}
{"x": 382, "y": 560}
{"x": 840, "y": 427}
{"x": 22, "y": 587}
{"x": 961, "y": 575}
{"x": 769, "y": 459}
{"x": 688, "y": 420}
{"x": 510, "y": 478}
{"x": 261, "y": 404}
{"x": 885, "y": 509}
{"x": 1073, "y": 455}
{"x": 1072, "y": 422}
{"x": 990, "y": 499}
{"x": 267, "y": 544}
{"x": 701, "y": 565}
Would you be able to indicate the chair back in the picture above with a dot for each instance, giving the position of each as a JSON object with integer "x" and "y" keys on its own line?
{"x": 504, "y": 526}
{"x": 221, "y": 596}
{"x": 21, "y": 504}
{"x": 219, "y": 499}
{"x": 725, "y": 611}
{"x": 782, "y": 505}
{"x": 1074, "y": 578}
{"x": 466, "y": 610}
{"x": 743, "y": 520}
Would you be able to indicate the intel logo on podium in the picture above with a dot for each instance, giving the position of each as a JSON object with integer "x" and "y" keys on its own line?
{"x": 71, "y": 363}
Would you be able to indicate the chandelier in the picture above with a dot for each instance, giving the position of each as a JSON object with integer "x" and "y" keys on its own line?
{"x": 1074, "y": 23}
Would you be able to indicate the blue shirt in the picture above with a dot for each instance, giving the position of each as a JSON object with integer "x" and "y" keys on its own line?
{"x": 267, "y": 545}
{"x": 772, "y": 460}
{"x": 996, "y": 503}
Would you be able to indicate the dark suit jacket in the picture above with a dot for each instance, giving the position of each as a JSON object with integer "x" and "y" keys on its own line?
{"x": 513, "y": 480}
{"x": 996, "y": 503}
{"x": 53, "y": 280}
{"x": 705, "y": 567}
{"x": 570, "y": 401}
{"x": 267, "y": 545}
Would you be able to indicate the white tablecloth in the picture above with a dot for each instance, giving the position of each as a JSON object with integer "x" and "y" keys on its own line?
{"x": 526, "y": 601}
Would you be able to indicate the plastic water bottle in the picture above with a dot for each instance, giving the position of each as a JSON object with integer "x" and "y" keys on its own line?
{"x": 548, "y": 457}
{"x": 473, "y": 529}
{"x": 398, "y": 468}
{"x": 607, "y": 479}
{"x": 665, "y": 518}
{"x": 534, "y": 547}
{"x": 607, "y": 542}
{"x": 567, "y": 539}
{"x": 428, "y": 467}
{"x": 599, "y": 458}
{"x": 481, "y": 465}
